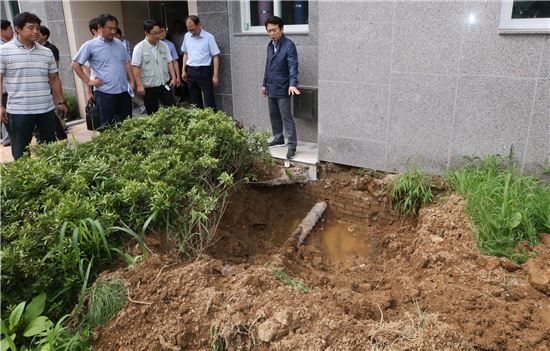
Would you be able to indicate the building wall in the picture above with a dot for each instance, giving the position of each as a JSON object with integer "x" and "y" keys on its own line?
{"x": 52, "y": 16}
{"x": 417, "y": 82}
{"x": 248, "y": 53}
{"x": 214, "y": 18}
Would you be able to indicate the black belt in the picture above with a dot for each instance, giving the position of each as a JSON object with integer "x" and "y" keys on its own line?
{"x": 196, "y": 68}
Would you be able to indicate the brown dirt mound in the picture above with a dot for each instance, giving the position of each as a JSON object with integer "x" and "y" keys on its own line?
{"x": 377, "y": 284}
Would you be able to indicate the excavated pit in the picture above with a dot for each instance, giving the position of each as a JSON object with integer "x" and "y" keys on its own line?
{"x": 376, "y": 281}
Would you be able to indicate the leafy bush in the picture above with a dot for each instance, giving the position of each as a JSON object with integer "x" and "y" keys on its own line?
{"x": 505, "y": 206}
{"x": 72, "y": 106}
{"x": 411, "y": 190}
{"x": 166, "y": 171}
{"x": 27, "y": 328}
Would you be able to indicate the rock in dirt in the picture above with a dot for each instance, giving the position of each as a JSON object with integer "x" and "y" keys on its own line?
{"x": 270, "y": 330}
{"x": 539, "y": 275}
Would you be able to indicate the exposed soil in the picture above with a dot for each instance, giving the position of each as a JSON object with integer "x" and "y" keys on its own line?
{"x": 382, "y": 284}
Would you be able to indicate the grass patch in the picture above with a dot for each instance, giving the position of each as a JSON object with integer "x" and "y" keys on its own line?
{"x": 288, "y": 280}
{"x": 106, "y": 299}
{"x": 506, "y": 207}
{"x": 411, "y": 190}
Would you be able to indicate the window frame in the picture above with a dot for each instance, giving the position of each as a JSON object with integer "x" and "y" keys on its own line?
{"x": 246, "y": 19}
{"x": 507, "y": 23}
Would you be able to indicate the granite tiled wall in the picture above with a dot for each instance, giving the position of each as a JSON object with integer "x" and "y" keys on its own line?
{"x": 52, "y": 16}
{"x": 214, "y": 19}
{"x": 428, "y": 83}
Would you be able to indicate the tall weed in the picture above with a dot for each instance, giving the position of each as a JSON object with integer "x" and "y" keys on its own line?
{"x": 411, "y": 190}
{"x": 505, "y": 206}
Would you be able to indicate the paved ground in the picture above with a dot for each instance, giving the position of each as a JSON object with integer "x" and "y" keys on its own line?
{"x": 77, "y": 133}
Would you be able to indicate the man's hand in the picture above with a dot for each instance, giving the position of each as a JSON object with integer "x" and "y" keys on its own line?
{"x": 215, "y": 81}
{"x": 178, "y": 82}
{"x": 140, "y": 90}
{"x": 95, "y": 82}
{"x": 173, "y": 82}
{"x": 263, "y": 92}
{"x": 62, "y": 110}
{"x": 293, "y": 91}
{"x": 3, "y": 115}
{"x": 184, "y": 75}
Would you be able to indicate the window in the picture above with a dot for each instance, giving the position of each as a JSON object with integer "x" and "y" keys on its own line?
{"x": 295, "y": 15}
{"x": 9, "y": 9}
{"x": 529, "y": 16}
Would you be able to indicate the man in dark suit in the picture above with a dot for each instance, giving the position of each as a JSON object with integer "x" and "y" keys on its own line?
{"x": 280, "y": 83}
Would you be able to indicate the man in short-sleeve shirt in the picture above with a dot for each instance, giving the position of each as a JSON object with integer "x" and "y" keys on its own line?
{"x": 153, "y": 70}
{"x": 28, "y": 72}
{"x": 200, "y": 63}
{"x": 110, "y": 62}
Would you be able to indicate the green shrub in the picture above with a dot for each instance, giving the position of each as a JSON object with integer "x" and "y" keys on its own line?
{"x": 164, "y": 171}
{"x": 505, "y": 206}
{"x": 72, "y": 106}
{"x": 411, "y": 190}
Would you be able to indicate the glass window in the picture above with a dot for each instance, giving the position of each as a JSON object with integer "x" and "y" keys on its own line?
{"x": 9, "y": 9}
{"x": 295, "y": 14}
{"x": 526, "y": 16}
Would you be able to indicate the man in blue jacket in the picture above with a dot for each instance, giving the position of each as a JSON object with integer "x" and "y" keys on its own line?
{"x": 280, "y": 82}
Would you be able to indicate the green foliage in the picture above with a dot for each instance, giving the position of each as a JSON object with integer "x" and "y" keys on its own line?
{"x": 106, "y": 299}
{"x": 72, "y": 106}
{"x": 505, "y": 206}
{"x": 217, "y": 343}
{"x": 72, "y": 205}
{"x": 411, "y": 190}
{"x": 26, "y": 328}
{"x": 282, "y": 276}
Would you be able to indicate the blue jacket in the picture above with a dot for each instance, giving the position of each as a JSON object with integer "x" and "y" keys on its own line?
{"x": 281, "y": 68}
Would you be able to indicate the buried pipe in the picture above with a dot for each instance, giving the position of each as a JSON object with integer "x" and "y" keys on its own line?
{"x": 308, "y": 223}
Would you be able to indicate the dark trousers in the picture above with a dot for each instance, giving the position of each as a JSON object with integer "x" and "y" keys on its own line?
{"x": 113, "y": 108}
{"x": 60, "y": 133}
{"x": 280, "y": 115}
{"x": 22, "y": 126}
{"x": 199, "y": 79}
{"x": 156, "y": 96}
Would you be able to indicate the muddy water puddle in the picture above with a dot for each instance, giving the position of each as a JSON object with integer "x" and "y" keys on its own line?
{"x": 344, "y": 241}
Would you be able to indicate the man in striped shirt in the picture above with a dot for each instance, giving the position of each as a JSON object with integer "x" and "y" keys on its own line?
{"x": 28, "y": 71}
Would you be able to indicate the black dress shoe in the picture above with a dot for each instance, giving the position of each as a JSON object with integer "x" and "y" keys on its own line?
{"x": 276, "y": 142}
{"x": 291, "y": 153}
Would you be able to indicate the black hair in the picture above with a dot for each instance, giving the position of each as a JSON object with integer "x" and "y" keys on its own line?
{"x": 275, "y": 20}
{"x": 45, "y": 31}
{"x": 4, "y": 24}
{"x": 25, "y": 17}
{"x": 93, "y": 25}
{"x": 194, "y": 19}
{"x": 118, "y": 31}
{"x": 161, "y": 25}
{"x": 103, "y": 19}
{"x": 149, "y": 24}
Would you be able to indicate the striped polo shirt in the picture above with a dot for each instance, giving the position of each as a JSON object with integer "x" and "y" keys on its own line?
{"x": 26, "y": 77}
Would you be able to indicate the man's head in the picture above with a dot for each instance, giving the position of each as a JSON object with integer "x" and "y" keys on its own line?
{"x": 152, "y": 31}
{"x": 107, "y": 26}
{"x": 44, "y": 35}
{"x": 163, "y": 31}
{"x": 93, "y": 26}
{"x": 274, "y": 27}
{"x": 193, "y": 24}
{"x": 7, "y": 30}
{"x": 27, "y": 27}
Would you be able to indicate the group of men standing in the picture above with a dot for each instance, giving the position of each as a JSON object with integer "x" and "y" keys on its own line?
{"x": 105, "y": 65}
